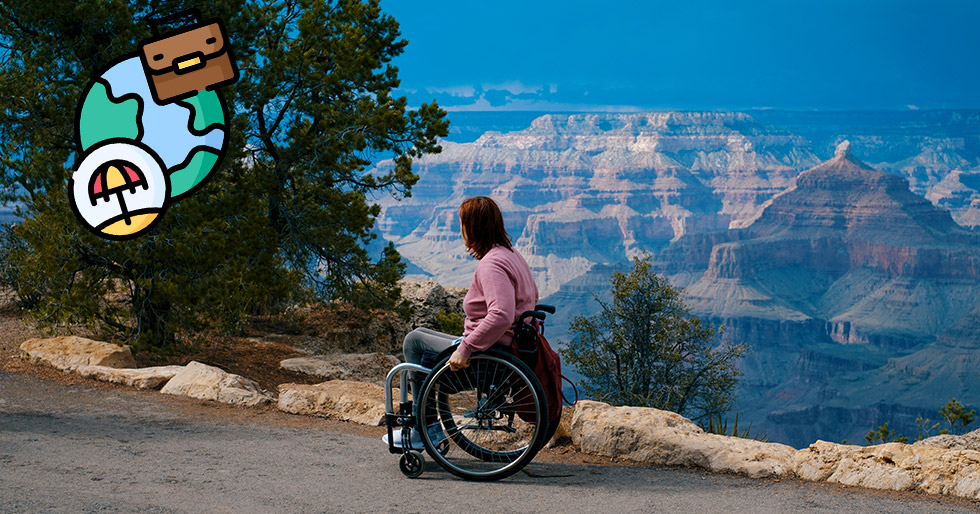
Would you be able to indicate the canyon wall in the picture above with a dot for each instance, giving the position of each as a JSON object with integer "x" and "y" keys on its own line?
{"x": 850, "y": 279}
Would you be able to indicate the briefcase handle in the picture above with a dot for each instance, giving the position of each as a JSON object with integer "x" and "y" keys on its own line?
{"x": 190, "y": 14}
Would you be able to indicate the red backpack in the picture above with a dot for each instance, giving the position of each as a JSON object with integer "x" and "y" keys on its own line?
{"x": 533, "y": 349}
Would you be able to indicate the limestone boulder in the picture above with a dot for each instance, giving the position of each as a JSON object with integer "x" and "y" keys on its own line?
{"x": 68, "y": 353}
{"x": 429, "y": 299}
{"x": 653, "y": 436}
{"x": 885, "y": 466}
{"x": 563, "y": 434}
{"x": 205, "y": 382}
{"x": 970, "y": 441}
{"x": 140, "y": 378}
{"x": 362, "y": 367}
{"x": 893, "y": 466}
{"x": 344, "y": 400}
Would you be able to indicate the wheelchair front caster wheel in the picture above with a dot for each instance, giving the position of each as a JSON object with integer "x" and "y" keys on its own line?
{"x": 411, "y": 464}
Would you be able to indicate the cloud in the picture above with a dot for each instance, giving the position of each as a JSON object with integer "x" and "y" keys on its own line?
{"x": 465, "y": 91}
{"x": 515, "y": 95}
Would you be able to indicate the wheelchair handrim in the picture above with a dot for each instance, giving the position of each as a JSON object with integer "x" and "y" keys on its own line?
{"x": 520, "y": 454}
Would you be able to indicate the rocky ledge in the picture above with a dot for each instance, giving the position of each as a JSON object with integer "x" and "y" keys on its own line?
{"x": 938, "y": 465}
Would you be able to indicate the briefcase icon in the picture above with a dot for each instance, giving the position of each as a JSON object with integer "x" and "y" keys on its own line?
{"x": 193, "y": 58}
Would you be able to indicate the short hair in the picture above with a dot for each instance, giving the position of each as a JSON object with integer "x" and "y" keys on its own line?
{"x": 482, "y": 225}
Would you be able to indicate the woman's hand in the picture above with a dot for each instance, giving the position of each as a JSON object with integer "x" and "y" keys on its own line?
{"x": 457, "y": 361}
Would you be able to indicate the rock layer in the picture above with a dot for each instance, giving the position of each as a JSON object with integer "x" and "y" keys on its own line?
{"x": 894, "y": 466}
{"x": 364, "y": 367}
{"x": 653, "y": 436}
{"x": 205, "y": 382}
{"x": 68, "y": 353}
{"x": 344, "y": 400}
{"x": 140, "y": 378}
{"x": 839, "y": 284}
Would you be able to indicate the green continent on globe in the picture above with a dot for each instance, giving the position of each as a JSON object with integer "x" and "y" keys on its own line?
{"x": 183, "y": 179}
{"x": 206, "y": 110}
{"x": 103, "y": 118}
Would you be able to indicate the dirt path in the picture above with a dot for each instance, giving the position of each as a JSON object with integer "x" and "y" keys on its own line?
{"x": 69, "y": 444}
{"x": 84, "y": 448}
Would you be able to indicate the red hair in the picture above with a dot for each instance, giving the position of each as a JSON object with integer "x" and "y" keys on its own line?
{"x": 482, "y": 225}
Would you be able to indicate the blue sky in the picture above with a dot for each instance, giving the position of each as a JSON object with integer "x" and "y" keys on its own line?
{"x": 617, "y": 55}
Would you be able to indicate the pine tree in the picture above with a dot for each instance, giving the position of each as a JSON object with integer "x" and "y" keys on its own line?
{"x": 645, "y": 349}
{"x": 289, "y": 206}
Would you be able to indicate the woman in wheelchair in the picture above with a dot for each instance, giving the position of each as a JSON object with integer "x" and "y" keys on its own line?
{"x": 502, "y": 289}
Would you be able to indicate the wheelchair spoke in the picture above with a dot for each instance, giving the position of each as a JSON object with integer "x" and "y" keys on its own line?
{"x": 489, "y": 416}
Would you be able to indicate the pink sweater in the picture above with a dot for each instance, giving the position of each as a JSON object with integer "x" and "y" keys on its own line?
{"x": 502, "y": 289}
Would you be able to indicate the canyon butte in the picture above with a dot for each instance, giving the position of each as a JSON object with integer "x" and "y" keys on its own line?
{"x": 856, "y": 289}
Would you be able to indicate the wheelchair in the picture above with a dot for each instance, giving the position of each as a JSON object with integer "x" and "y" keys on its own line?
{"x": 483, "y": 423}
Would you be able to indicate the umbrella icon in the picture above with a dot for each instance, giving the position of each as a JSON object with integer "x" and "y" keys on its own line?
{"x": 114, "y": 178}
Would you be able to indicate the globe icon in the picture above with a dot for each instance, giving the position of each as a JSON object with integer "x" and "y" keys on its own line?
{"x": 161, "y": 149}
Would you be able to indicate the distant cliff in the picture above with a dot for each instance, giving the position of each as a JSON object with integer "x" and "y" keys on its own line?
{"x": 840, "y": 275}
{"x": 848, "y": 287}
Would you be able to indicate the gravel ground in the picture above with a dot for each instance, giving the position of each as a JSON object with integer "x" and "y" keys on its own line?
{"x": 77, "y": 446}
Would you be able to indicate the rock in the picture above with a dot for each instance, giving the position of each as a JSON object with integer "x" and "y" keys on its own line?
{"x": 205, "y": 382}
{"x": 563, "y": 434}
{"x": 878, "y": 467}
{"x": 140, "y": 378}
{"x": 847, "y": 249}
{"x": 970, "y": 441}
{"x": 429, "y": 299}
{"x": 893, "y": 466}
{"x": 362, "y": 367}
{"x": 68, "y": 353}
{"x": 653, "y": 436}
{"x": 343, "y": 400}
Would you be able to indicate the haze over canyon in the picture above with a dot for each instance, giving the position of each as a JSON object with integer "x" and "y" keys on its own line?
{"x": 838, "y": 245}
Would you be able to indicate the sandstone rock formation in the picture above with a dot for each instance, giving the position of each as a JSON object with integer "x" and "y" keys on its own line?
{"x": 893, "y": 466}
{"x": 856, "y": 295}
{"x": 587, "y": 188}
{"x": 140, "y": 378}
{"x": 362, "y": 367}
{"x": 68, "y": 353}
{"x": 205, "y": 382}
{"x": 429, "y": 299}
{"x": 653, "y": 436}
{"x": 581, "y": 193}
{"x": 959, "y": 191}
{"x": 563, "y": 434}
{"x": 344, "y": 400}
{"x": 969, "y": 441}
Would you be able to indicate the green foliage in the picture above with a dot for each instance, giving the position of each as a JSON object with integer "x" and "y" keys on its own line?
{"x": 884, "y": 435}
{"x": 717, "y": 425}
{"x": 645, "y": 349}
{"x": 287, "y": 208}
{"x": 924, "y": 428}
{"x": 449, "y": 323}
{"x": 956, "y": 416}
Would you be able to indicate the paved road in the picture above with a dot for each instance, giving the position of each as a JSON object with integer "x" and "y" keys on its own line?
{"x": 80, "y": 448}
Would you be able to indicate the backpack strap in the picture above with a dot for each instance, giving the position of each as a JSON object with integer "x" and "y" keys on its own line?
{"x": 563, "y": 377}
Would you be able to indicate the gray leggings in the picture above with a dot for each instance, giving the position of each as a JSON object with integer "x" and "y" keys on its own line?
{"x": 420, "y": 340}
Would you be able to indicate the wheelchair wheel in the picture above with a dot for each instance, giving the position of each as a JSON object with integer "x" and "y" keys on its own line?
{"x": 492, "y": 416}
{"x": 411, "y": 464}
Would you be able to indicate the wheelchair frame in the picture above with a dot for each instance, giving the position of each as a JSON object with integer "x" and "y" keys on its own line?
{"x": 495, "y": 403}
